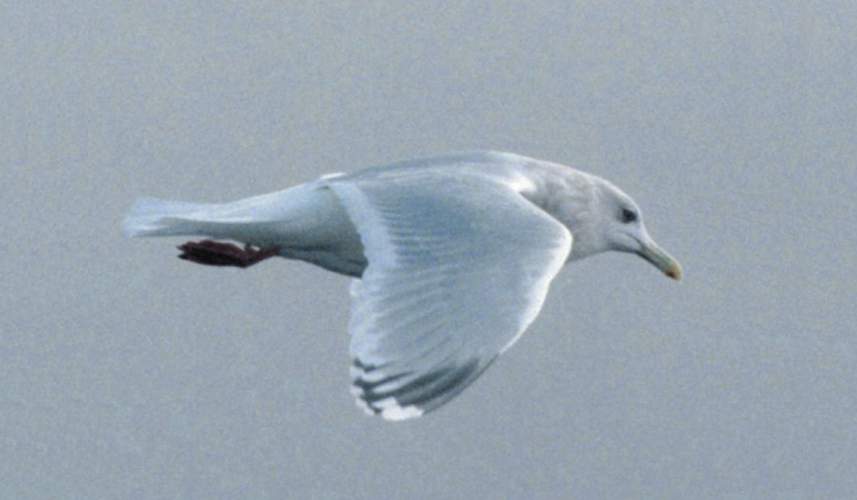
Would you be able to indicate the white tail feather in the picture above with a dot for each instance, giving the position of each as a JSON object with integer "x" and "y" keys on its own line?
{"x": 155, "y": 217}
{"x": 305, "y": 215}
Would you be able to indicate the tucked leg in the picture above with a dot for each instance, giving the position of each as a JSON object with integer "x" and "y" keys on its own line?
{"x": 215, "y": 253}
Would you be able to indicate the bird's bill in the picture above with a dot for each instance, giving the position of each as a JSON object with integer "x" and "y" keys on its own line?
{"x": 660, "y": 259}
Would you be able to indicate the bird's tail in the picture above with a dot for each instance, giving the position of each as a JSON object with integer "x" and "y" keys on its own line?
{"x": 300, "y": 214}
{"x": 155, "y": 217}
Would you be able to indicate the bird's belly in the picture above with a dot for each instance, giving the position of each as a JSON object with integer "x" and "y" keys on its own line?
{"x": 321, "y": 233}
{"x": 336, "y": 260}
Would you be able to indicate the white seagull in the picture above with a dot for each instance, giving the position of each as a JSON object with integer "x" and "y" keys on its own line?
{"x": 452, "y": 257}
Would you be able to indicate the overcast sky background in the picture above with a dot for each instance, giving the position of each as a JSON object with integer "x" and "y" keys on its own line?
{"x": 128, "y": 373}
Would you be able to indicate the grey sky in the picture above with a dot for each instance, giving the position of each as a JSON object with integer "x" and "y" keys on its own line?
{"x": 127, "y": 373}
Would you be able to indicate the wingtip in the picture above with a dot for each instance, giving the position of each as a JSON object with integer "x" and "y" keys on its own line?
{"x": 388, "y": 408}
{"x": 399, "y": 413}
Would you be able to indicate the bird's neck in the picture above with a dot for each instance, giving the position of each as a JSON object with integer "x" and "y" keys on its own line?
{"x": 571, "y": 197}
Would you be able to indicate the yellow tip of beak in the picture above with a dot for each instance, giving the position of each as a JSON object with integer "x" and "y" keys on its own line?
{"x": 675, "y": 272}
{"x": 660, "y": 259}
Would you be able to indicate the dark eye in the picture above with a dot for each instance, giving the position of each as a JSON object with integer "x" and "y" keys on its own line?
{"x": 628, "y": 216}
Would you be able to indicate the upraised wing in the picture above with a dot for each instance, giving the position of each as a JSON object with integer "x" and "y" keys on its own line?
{"x": 459, "y": 266}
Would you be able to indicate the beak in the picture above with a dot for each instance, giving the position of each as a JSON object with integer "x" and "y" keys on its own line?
{"x": 659, "y": 258}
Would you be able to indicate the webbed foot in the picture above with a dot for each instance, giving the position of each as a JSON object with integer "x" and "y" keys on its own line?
{"x": 215, "y": 253}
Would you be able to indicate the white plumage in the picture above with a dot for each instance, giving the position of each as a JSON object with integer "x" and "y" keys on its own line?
{"x": 452, "y": 257}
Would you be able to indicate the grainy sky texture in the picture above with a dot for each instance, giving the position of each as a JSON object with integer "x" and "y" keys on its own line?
{"x": 127, "y": 373}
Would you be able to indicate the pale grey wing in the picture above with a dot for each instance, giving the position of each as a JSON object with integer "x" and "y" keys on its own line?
{"x": 459, "y": 266}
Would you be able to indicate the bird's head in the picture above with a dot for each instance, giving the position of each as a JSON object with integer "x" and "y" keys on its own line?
{"x": 603, "y": 218}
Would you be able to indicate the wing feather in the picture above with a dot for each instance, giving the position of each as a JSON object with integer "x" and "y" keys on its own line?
{"x": 459, "y": 266}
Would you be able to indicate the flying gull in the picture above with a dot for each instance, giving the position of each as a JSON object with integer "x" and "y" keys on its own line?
{"x": 452, "y": 257}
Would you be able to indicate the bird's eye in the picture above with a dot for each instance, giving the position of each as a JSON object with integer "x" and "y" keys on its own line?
{"x": 628, "y": 216}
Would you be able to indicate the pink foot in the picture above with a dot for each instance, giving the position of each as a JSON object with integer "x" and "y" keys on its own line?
{"x": 214, "y": 253}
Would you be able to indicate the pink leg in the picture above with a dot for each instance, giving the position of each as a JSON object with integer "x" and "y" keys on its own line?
{"x": 214, "y": 253}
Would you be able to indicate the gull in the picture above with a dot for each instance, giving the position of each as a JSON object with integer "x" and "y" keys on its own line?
{"x": 451, "y": 256}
